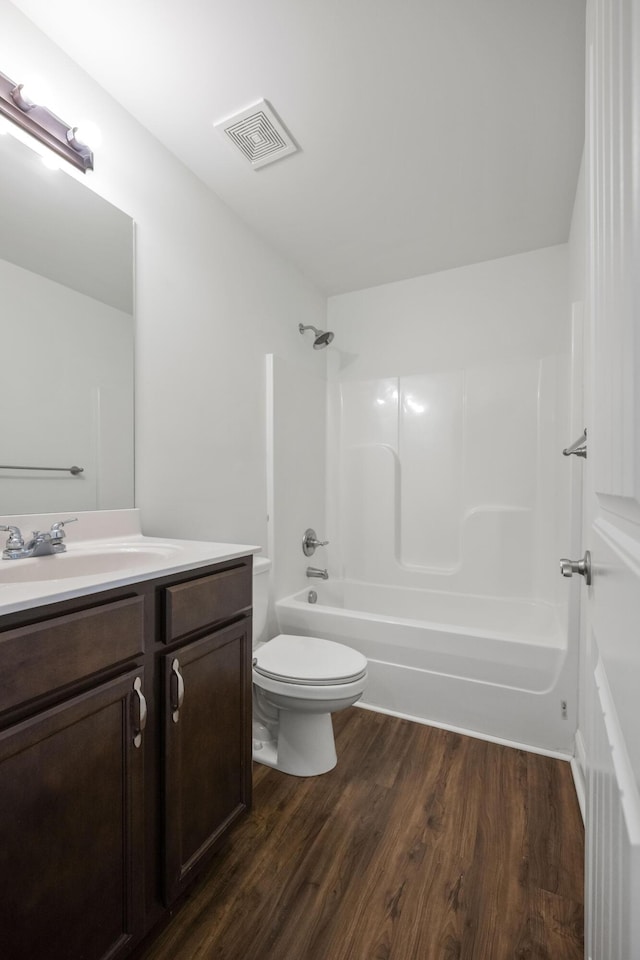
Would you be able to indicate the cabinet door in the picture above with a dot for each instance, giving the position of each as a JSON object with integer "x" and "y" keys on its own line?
{"x": 207, "y": 689}
{"x": 71, "y": 804}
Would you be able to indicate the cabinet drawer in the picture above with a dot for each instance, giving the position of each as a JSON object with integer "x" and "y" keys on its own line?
{"x": 40, "y": 658}
{"x": 198, "y": 603}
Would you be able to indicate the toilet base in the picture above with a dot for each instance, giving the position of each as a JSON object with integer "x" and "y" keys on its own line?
{"x": 303, "y": 746}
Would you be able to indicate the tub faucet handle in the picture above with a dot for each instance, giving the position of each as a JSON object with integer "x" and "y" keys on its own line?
{"x": 310, "y": 542}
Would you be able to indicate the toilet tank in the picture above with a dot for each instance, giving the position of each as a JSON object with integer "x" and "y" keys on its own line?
{"x": 261, "y": 567}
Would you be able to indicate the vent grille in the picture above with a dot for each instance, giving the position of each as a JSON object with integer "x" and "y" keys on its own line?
{"x": 259, "y": 134}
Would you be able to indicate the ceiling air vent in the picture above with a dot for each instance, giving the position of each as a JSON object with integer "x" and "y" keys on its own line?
{"x": 259, "y": 134}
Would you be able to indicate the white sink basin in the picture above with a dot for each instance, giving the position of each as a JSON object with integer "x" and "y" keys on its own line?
{"x": 105, "y": 551}
{"x": 82, "y": 562}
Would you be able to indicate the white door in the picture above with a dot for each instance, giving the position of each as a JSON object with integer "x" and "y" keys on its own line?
{"x": 612, "y": 504}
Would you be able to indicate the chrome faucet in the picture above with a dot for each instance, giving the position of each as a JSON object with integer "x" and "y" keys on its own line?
{"x": 41, "y": 544}
{"x": 315, "y": 572}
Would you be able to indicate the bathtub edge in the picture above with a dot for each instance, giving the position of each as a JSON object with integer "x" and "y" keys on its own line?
{"x": 477, "y": 735}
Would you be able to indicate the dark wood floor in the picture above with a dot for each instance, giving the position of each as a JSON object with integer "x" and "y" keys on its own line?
{"x": 420, "y": 845}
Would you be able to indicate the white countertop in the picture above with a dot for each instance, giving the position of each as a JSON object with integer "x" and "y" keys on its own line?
{"x": 98, "y": 536}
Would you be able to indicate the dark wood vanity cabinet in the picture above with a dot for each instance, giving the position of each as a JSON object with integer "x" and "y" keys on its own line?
{"x": 207, "y": 766}
{"x": 111, "y": 793}
{"x": 72, "y": 784}
{"x": 71, "y": 841}
{"x": 207, "y": 718}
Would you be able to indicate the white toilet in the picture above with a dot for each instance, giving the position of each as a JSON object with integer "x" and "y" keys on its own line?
{"x": 298, "y": 682}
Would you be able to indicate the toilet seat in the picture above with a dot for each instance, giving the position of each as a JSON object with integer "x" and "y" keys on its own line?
{"x": 311, "y": 661}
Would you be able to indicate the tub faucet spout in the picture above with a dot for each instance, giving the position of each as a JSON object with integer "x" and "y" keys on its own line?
{"x": 315, "y": 572}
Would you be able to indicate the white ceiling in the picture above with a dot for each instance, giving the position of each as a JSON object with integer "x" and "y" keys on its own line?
{"x": 434, "y": 133}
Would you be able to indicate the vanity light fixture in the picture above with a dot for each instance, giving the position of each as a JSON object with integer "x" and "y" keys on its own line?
{"x": 42, "y": 124}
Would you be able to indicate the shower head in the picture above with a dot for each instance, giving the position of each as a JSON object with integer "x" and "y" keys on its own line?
{"x": 322, "y": 337}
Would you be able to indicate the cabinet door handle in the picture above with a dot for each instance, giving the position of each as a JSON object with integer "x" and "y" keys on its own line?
{"x": 177, "y": 690}
{"x": 141, "y": 722}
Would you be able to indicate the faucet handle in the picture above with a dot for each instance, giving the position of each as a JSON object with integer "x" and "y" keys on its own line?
{"x": 310, "y": 542}
{"x": 57, "y": 533}
{"x": 15, "y": 538}
{"x": 62, "y": 523}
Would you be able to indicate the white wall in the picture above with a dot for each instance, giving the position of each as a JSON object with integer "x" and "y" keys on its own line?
{"x": 504, "y": 309}
{"x": 578, "y": 240}
{"x": 451, "y": 396}
{"x": 296, "y": 457}
{"x": 211, "y": 300}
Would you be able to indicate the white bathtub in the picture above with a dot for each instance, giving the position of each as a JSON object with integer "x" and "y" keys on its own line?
{"x": 494, "y": 668}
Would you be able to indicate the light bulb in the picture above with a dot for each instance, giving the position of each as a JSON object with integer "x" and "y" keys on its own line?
{"x": 88, "y": 133}
{"x": 37, "y": 90}
{"x": 50, "y": 160}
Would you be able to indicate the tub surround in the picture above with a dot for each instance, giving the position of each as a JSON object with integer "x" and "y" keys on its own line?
{"x": 447, "y": 479}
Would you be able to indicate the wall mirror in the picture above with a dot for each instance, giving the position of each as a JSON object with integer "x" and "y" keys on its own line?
{"x": 67, "y": 334}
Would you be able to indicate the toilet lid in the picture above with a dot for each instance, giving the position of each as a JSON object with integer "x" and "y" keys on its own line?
{"x": 310, "y": 660}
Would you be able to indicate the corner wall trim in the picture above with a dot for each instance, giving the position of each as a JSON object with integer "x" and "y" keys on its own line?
{"x": 578, "y": 765}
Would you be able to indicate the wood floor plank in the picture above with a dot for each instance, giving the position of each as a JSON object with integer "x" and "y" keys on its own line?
{"x": 497, "y": 895}
{"x": 421, "y": 845}
{"x": 556, "y": 848}
{"x": 434, "y": 899}
{"x": 406, "y": 846}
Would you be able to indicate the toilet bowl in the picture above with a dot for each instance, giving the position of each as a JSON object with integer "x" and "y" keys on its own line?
{"x": 298, "y": 682}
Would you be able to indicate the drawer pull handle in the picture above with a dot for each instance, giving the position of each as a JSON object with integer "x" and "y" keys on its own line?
{"x": 177, "y": 690}
{"x": 142, "y": 712}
